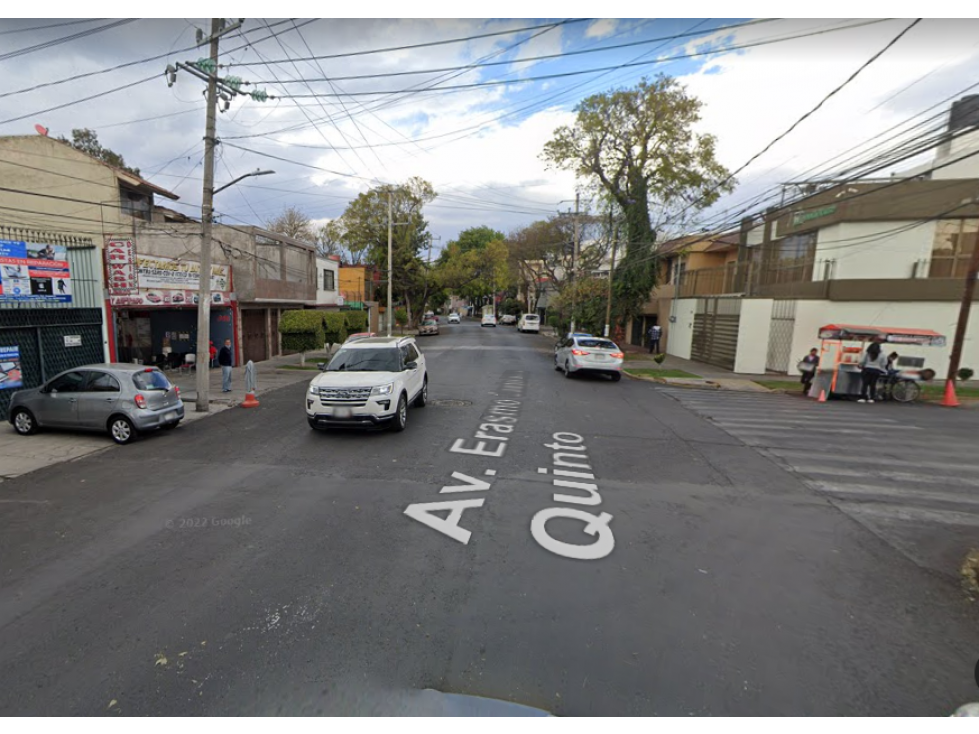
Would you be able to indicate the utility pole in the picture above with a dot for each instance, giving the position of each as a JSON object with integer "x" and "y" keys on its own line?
{"x": 390, "y": 313}
{"x": 950, "y": 399}
{"x": 574, "y": 261}
{"x": 207, "y": 214}
{"x": 615, "y": 243}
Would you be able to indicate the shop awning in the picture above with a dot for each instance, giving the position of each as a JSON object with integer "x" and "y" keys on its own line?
{"x": 889, "y": 334}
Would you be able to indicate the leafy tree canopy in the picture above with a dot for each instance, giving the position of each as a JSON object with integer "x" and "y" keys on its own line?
{"x": 87, "y": 141}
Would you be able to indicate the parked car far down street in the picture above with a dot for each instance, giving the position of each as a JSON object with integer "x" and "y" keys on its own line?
{"x": 454, "y": 318}
{"x": 123, "y": 399}
{"x": 488, "y": 320}
{"x": 429, "y": 327}
{"x": 369, "y": 382}
{"x": 589, "y": 354}
{"x": 508, "y": 320}
{"x": 529, "y": 322}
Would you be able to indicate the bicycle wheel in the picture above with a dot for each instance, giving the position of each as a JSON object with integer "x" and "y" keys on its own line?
{"x": 906, "y": 391}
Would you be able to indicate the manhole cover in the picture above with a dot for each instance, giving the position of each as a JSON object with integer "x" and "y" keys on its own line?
{"x": 450, "y": 403}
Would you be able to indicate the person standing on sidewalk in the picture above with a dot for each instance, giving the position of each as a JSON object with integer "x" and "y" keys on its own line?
{"x": 226, "y": 359}
{"x": 872, "y": 366}
{"x": 808, "y": 366}
{"x": 655, "y": 332}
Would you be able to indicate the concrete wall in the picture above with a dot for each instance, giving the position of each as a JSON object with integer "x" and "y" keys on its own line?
{"x": 872, "y": 250}
{"x": 90, "y": 204}
{"x": 939, "y": 316}
{"x": 681, "y": 330}
{"x": 754, "y": 328}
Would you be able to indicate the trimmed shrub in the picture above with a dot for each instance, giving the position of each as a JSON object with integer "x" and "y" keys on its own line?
{"x": 302, "y": 331}
{"x": 356, "y": 321}
{"x": 965, "y": 374}
{"x": 335, "y": 326}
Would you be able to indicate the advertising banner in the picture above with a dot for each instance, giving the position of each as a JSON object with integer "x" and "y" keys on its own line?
{"x": 30, "y": 271}
{"x": 120, "y": 261}
{"x": 147, "y": 297}
{"x": 161, "y": 273}
{"x": 10, "y": 374}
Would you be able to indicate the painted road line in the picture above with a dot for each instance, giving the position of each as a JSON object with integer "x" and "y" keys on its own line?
{"x": 911, "y": 514}
{"x": 817, "y": 471}
{"x": 873, "y": 490}
{"x": 761, "y": 423}
{"x": 830, "y": 458}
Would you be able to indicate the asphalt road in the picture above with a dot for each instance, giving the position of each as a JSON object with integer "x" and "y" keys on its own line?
{"x": 246, "y": 564}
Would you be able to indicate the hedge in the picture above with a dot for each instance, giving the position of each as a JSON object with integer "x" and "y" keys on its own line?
{"x": 356, "y": 321}
{"x": 302, "y": 331}
{"x": 335, "y": 326}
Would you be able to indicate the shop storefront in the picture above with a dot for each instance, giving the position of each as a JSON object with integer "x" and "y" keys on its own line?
{"x": 154, "y": 307}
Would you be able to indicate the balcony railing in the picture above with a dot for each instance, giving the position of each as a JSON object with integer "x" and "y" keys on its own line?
{"x": 718, "y": 281}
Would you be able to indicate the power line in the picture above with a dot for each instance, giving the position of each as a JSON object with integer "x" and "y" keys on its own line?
{"x": 561, "y": 75}
{"x": 407, "y": 47}
{"x": 65, "y": 39}
{"x": 81, "y": 21}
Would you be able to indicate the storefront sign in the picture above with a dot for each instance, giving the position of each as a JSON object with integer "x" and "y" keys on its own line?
{"x": 144, "y": 297}
{"x": 10, "y": 374}
{"x": 30, "y": 271}
{"x": 73, "y": 340}
{"x": 161, "y": 273}
{"x": 803, "y": 217}
{"x": 120, "y": 261}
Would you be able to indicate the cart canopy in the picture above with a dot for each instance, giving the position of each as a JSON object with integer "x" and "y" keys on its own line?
{"x": 891, "y": 335}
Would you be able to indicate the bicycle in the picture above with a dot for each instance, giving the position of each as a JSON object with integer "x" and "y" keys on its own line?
{"x": 896, "y": 387}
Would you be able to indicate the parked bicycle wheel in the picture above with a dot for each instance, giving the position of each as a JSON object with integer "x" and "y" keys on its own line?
{"x": 905, "y": 391}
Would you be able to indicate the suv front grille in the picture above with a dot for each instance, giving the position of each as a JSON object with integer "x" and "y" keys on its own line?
{"x": 344, "y": 395}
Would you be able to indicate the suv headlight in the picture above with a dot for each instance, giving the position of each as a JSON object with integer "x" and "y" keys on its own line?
{"x": 382, "y": 389}
{"x": 313, "y": 390}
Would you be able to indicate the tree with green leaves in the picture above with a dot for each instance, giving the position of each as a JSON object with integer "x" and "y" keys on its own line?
{"x": 477, "y": 272}
{"x": 87, "y": 141}
{"x": 638, "y": 146}
{"x": 363, "y": 230}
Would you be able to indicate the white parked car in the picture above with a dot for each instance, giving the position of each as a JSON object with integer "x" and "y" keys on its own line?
{"x": 592, "y": 354}
{"x": 529, "y": 322}
{"x": 488, "y": 320}
{"x": 369, "y": 382}
{"x": 454, "y": 318}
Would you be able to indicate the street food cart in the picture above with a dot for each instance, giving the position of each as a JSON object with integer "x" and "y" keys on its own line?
{"x": 841, "y": 349}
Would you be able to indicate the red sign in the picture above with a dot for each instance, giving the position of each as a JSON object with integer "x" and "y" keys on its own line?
{"x": 120, "y": 262}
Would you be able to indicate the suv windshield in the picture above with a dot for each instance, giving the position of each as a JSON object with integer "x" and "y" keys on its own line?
{"x": 597, "y": 343}
{"x": 151, "y": 380}
{"x": 365, "y": 360}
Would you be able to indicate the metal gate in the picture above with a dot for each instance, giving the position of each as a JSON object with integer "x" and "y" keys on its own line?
{"x": 49, "y": 341}
{"x": 715, "y": 331}
{"x": 780, "y": 336}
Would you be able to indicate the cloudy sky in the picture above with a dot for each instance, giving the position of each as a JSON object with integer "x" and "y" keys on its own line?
{"x": 466, "y": 104}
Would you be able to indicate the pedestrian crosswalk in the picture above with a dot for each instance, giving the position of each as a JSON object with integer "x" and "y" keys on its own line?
{"x": 911, "y": 479}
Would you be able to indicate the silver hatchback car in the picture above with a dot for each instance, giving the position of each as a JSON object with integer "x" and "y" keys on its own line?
{"x": 123, "y": 399}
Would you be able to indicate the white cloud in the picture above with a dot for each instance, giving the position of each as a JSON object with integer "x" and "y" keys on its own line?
{"x": 601, "y": 28}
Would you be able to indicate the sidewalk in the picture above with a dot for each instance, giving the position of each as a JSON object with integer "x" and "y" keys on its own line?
{"x": 23, "y": 454}
{"x": 700, "y": 374}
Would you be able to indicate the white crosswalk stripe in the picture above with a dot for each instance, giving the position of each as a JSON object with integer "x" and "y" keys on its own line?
{"x": 887, "y": 467}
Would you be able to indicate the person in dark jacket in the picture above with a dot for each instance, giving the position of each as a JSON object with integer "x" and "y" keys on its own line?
{"x": 872, "y": 366}
{"x": 809, "y": 365}
{"x": 226, "y": 359}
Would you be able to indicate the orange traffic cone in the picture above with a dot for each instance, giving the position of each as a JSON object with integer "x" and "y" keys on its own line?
{"x": 950, "y": 400}
{"x": 249, "y": 401}
{"x": 822, "y": 396}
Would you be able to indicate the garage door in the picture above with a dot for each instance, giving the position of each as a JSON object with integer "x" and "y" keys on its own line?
{"x": 253, "y": 326}
{"x": 715, "y": 331}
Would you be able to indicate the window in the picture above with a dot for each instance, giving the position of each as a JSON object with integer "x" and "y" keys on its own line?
{"x": 411, "y": 353}
{"x": 788, "y": 260}
{"x": 955, "y": 241}
{"x": 69, "y": 382}
{"x": 365, "y": 360}
{"x": 134, "y": 203}
{"x": 103, "y": 383}
{"x": 329, "y": 280}
{"x": 151, "y": 380}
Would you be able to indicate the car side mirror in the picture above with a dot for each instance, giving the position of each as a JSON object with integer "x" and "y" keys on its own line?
{"x": 50, "y": 391}
{"x": 321, "y": 366}
{"x": 411, "y": 365}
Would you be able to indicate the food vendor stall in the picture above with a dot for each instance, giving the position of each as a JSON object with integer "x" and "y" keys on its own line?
{"x": 842, "y": 347}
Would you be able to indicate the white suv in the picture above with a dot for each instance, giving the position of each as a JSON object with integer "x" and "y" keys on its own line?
{"x": 369, "y": 382}
{"x": 529, "y": 322}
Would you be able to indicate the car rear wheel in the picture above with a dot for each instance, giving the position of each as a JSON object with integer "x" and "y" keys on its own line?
{"x": 401, "y": 415}
{"x": 122, "y": 430}
{"x": 616, "y": 376}
{"x": 24, "y": 422}
{"x": 422, "y": 398}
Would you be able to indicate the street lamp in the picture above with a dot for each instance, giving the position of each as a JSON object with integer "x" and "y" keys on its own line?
{"x": 204, "y": 296}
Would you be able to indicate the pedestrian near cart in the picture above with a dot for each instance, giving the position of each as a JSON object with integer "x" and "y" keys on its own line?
{"x": 654, "y": 334}
{"x": 872, "y": 366}
{"x": 808, "y": 366}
